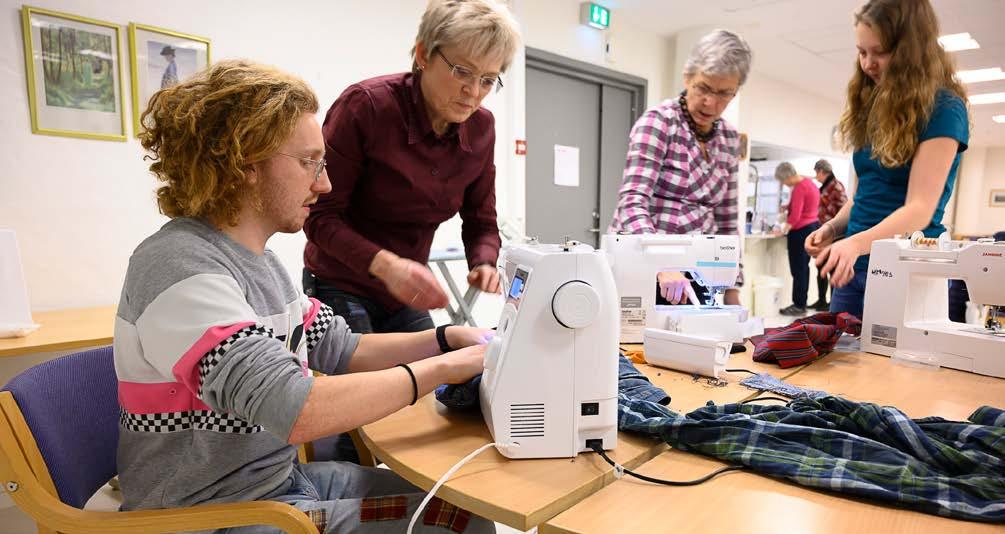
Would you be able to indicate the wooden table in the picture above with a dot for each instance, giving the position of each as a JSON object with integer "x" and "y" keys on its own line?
{"x": 748, "y": 502}
{"x": 916, "y": 391}
{"x": 64, "y": 330}
{"x": 688, "y": 392}
{"x": 422, "y": 442}
{"x": 736, "y": 502}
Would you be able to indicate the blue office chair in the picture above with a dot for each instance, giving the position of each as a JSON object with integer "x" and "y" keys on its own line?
{"x": 59, "y": 431}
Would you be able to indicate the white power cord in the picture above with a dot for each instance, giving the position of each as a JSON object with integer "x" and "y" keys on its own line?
{"x": 450, "y": 472}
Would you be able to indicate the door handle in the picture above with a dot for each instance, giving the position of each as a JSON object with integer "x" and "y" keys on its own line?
{"x": 594, "y": 230}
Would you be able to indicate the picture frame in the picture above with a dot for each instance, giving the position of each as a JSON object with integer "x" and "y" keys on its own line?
{"x": 74, "y": 74}
{"x": 997, "y": 198}
{"x": 159, "y": 58}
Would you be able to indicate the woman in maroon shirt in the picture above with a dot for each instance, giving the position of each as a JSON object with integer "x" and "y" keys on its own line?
{"x": 405, "y": 153}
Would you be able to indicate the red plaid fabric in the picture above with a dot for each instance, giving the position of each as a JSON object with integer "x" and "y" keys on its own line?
{"x": 383, "y": 508}
{"x": 440, "y": 513}
{"x": 804, "y": 339}
{"x": 832, "y": 198}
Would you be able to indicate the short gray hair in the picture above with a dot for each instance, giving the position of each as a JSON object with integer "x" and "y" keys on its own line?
{"x": 720, "y": 53}
{"x": 784, "y": 170}
{"x": 486, "y": 28}
{"x": 823, "y": 165}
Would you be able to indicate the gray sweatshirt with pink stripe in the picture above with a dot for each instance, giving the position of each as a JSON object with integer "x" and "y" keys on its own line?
{"x": 212, "y": 348}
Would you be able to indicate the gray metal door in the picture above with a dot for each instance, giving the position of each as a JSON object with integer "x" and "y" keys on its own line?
{"x": 618, "y": 116}
{"x": 561, "y": 111}
{"x": 576, "y": 104}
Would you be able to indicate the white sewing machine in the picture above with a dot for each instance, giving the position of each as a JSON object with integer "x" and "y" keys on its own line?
{"x": 551, "y": 371}
{"x": 713, "y": 261}
{"x": 906, "y": 302}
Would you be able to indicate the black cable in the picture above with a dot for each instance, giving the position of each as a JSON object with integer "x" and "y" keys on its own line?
{"x": 741, "y": 371}
{"x": 755, "y": 399}
{"x": 600, "y": 450}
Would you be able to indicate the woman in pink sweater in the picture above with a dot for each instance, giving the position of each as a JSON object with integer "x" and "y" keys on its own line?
{"x": 803, "y": 220}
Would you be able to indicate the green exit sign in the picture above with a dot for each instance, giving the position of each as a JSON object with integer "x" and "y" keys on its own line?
{"x": 595, "y": 15}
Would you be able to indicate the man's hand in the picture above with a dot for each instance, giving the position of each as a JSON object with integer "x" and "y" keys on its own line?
{"x": 485, "y": 277}
{"x": 459, "y": 337}
{"x": 408, "y": 281}
{"x": 462, "y": 365}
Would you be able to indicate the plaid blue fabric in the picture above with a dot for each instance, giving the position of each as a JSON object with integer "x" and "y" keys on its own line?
{"x": 948, "y": 468}
{"x": 631, "y": 384}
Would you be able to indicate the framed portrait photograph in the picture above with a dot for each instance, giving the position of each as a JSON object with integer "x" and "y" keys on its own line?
{"x": 997, "y": 198}
{"x": 72, "y": 64}
{"x": 160, "y": 58}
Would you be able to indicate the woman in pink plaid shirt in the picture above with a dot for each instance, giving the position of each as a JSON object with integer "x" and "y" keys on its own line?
{"x": 681, "y": 173}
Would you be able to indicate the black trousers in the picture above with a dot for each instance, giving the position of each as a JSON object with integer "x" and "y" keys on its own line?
{"x": 799, "y": 262}
{"x": 821, "y": 288}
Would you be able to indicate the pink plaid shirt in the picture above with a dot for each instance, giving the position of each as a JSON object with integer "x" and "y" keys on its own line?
{"x": 670, "y": 186}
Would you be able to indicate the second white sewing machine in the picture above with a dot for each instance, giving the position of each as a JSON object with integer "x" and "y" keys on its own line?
{"x": 711, "y": 260}
{"x": 551, "y": 371}
{"x": 906, "y": 302}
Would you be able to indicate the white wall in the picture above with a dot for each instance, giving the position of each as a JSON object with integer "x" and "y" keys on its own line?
{"x": 80, "y": 207}
{"x": 981, "y": 170}
{"x": 780, "y": 114}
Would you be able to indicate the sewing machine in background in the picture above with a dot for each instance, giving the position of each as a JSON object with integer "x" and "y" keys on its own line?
{"x": 906, "y": 302}
{"x": 551, "y": 371}
{"x": 694, "y": 338}
{"x": 712, "y": 261}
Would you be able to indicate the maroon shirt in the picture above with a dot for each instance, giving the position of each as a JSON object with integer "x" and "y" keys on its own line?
{"x": 394, "y": 181}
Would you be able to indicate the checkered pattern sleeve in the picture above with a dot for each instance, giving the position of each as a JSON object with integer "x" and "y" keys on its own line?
{"x": 330, "y": 343}
{"x": 648, "y": 145}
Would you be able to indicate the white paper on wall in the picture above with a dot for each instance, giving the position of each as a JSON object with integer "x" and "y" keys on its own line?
{"x": 567, "y": 166}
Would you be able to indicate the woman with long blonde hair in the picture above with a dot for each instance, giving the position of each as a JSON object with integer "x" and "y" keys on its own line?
{"x": 906, "y": 120}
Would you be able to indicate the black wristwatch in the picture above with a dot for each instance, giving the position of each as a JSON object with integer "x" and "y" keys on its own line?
{"x": 441, "y": 337}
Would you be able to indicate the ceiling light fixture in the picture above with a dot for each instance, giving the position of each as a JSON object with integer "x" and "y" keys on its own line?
{"x": 987, "y": 98}
{"x": 980, "y": 75}
{"x": 955, "y": 42}
{"x": 1000, "y": 119}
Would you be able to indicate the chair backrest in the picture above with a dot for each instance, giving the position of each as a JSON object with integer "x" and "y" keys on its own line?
{"x": 71, "y": 407}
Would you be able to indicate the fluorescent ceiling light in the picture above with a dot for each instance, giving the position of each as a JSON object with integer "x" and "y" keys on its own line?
{"x": 958, "y": 41}
{"x": 1000, "y": 119}
{"x": 980, "y": 75}
{"x": 987, "y": 98}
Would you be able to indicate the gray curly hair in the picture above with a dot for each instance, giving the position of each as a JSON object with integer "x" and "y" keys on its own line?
{"x": 720, "y": 53}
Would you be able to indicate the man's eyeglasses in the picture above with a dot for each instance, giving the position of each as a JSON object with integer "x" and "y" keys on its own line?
{"x": 466, "y": 76}
{"x": 701, "y": 90}
{"x": 319, "y": 165}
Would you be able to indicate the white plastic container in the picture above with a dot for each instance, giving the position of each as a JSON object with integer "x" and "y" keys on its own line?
{"x": 767, "y": 296}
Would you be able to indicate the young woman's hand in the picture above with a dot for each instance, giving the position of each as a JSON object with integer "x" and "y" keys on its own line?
{"x": 839, "y": 259}
{"x": 819, "y": 239}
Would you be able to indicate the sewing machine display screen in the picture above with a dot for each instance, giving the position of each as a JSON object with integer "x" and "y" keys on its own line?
{"x": 516, "y": 287}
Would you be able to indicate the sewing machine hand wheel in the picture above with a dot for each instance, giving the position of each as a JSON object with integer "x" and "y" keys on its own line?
{"x": 576, "y": 304}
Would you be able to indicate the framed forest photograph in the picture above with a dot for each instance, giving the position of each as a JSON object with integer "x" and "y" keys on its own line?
{"x": 73, "y": 69}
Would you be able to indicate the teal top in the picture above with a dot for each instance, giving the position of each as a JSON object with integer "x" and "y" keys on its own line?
{"x": 881, "y": 190}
